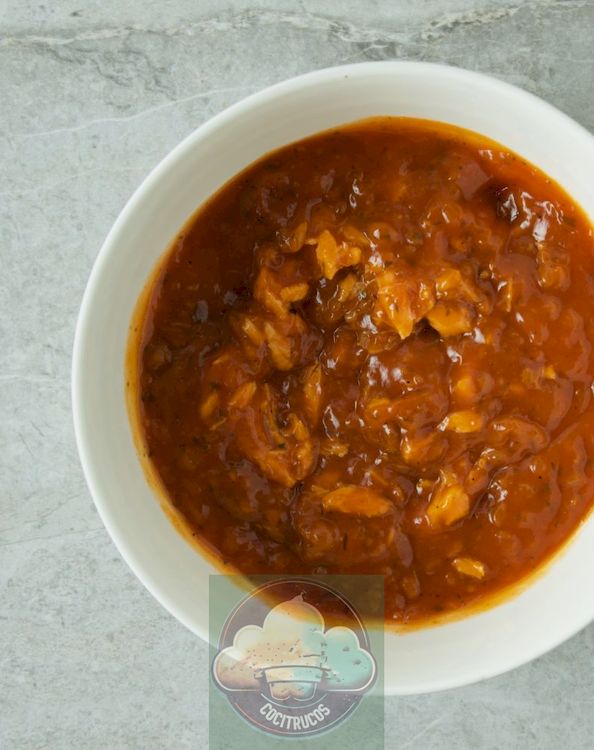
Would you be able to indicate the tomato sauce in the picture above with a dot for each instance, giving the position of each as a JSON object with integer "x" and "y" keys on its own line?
{"x": 371, "y": 352}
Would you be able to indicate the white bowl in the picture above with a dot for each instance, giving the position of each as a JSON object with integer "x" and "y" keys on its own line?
{"x": 553, "y": 607}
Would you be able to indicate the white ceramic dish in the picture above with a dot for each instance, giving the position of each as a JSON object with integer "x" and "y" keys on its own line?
{"x": 558, "y": 603}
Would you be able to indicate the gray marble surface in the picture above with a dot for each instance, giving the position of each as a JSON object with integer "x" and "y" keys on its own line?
{"x": 92, "y": 95}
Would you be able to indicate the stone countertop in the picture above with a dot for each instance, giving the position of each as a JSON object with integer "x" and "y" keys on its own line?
{"x": 93, "y": 95}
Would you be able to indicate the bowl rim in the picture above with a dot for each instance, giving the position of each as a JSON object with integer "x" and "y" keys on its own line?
{"x": 110, "y": 246}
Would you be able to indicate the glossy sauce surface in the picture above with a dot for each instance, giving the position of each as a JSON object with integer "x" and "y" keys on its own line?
{"x": 371, "y": 352}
